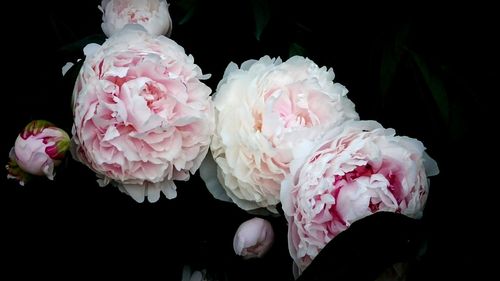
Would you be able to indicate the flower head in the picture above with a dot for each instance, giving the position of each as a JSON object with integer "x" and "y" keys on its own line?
{"x": 265, "y": 110}
{"x": 358, "y": 169}
{"x": 153, "y": 15}
{"x": 253, "y": 238}
{"x": 142, "y": 117}
{"x": 38, "y": 149}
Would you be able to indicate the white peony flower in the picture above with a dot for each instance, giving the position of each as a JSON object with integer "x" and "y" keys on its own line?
{"x": 266, "y": 110}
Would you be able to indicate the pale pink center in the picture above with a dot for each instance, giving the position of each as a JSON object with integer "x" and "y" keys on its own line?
{"x": 134, "y": 18}
{"x": 291, "y": 113}
{"x": 390, "y": 171}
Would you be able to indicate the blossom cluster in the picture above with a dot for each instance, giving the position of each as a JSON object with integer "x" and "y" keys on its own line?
{"x": 273, "y": 134}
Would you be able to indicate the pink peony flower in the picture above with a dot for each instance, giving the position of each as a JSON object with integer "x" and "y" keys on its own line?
{"x": 39, "y": 148}
{"x": 153, "y": 15}
{"x": 142, "y": 118}
{"x": 253, "y": 239}
{"x": 264, "y": 111}
{"x": 358, "y": 169}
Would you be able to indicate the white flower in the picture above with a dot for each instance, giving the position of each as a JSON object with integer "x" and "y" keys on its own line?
{"x": 266, "y": 110}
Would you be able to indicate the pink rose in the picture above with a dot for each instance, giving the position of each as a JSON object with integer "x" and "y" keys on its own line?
{"x": 39, "y": 148}
{"x": 253, "y": 239}
{"x": 153, "y": 15}
{"x": 264, "y": 111}
{"x": 358, "y": 169}
{"x": 142, "y": 118}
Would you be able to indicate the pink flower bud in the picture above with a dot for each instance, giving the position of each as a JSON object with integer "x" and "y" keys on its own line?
{"x": 39, "y": 148}
{"x": 253, "y": 238}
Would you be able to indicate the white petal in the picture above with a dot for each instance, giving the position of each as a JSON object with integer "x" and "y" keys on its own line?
{"x": 153, "y": 191}
{"x": 103, "y": 181}
{"x": 286, "y": 196}
{"x": 48, "y": 170}
{"x": 208, "y": 172}
{"x": 111, "y": 133}
{"x": 431, "y": 167}
{"x": 328, "y": 198}
{"x": 66, "y": 67}
{"x": 117, "y": 71}
{"x": 196, "y": 276}
{"x": 90, "y": 49}
{"x": 136, "y": 191}
{"x": 169, "y": 189}
{"x": 186, "y": 273}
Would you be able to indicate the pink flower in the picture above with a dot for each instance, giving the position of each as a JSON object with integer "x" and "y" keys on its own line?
{"x": 264, "y": 111}
{"x": 358, "y": 169}
{"x": 39, "y": 148}
{"x": 153, "y": 15}
{"x": 142, "y": 118}
{"x": 253, "y": 239}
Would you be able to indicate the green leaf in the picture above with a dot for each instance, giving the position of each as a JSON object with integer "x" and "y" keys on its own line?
{"x": 388, "y": 69}
{"x": 391, "y": 58}
{"x": 457, "y": 121}
{"x": 262, "y": 14}
{"x": 189, "y": 7}
{"x": 187, "y": 17}
{"x": 78, "y": 46}
{"x": 16, "y": 173}
{"x": 435, "y": 85}
{"x": 296, "y": 50}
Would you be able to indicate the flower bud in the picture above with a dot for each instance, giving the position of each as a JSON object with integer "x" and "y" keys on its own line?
{"x": 153, "y": 15}
{"x": 38, "y": 149}
{"x": 189, "y": 274}
{"x": 253, "y": 238}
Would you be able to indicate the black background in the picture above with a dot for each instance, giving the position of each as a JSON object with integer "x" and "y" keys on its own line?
{"x": 72, "y": 228}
